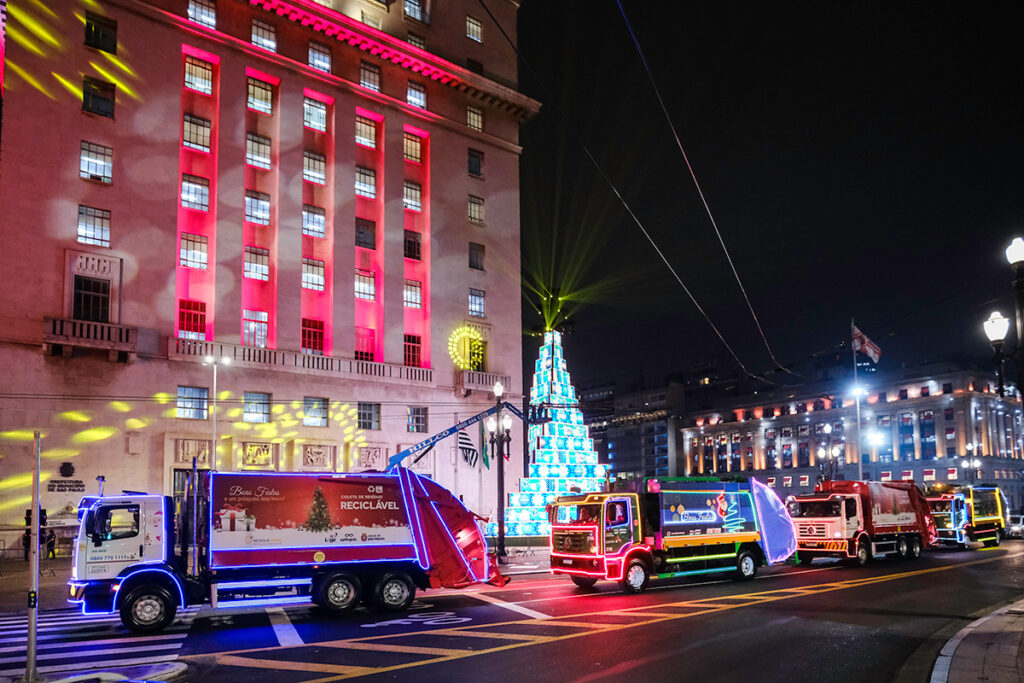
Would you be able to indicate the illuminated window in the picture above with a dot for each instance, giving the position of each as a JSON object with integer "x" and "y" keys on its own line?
{"x": 314, "y": 114}
{"x": 101, "y": 33}
{"x": 366, "y": 132}
{"x": 476, "y": 303}
{"x": 416, "y": 41}
{"x": 366, "y": 182}
{"x": 366, "y": 233}
{"x": 257, "y": 207}
{"x": 414, "y": 10}
{"x": 312, "y": 337}
{"x": 475, "y": 163}
{"x": 196, "y": 133}
{"x": 97, "y": 162}
{"x": 417, "y": 419}
{"x": 257, "y": 263}
{"x": 93, "y": 226}
{"x": 369, "y": 76}
{"x": 412, "y": 196}
{"x": 370, "y": 19}
{"x": 203, "y": 12}
{"x": 257, "y": 151}
{"x": 314, "y": 168}
{"x": 91, "y": 299}
{"x": 193, "y": 251}
{"x": 313, "y": 274}
{"x": 474, "y": 117}
{"x": 314, "y": 412}
{"x": 365, "y": 344}
{"x": 476, "y": 209}
{"x": 413, "y": 351}
{"x": 314, "y": 221}
{"x": 476, "y": 256}
{"x": 413, "y": 148}
{"x": 369, "y": 415}
{"x": 191, "y": 320}
{"x": 257, "y": 407}
{"x": 413, "y": 247}
{"x": 366, "y": 285}
{"x": 195, "y": 192}
{"x": 320, "y": 56}
{"x": 192, "y": 402}
{"x": 264, "y": 34}
{"x": 261, "y": 95}
{"x": 474, "y": 29}
{"x": 412, "y": 294}
{"x": 97, "y": 97}
{"x": 198, "y": 75}
{"x": 255, "y": 326}
{"x": 416, "y": 95}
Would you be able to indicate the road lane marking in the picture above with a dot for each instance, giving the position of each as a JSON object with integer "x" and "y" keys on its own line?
{"x": 314, "y": 667}
{"x": 511, "y": 606}
{"x": 286, "y": 634}
{"x": 381, "y": 647}
{"x": 94, "y": 643}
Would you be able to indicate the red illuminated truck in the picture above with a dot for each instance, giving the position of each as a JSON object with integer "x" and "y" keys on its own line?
{"x": 270, "y": 538}
{"x": 858, "y": 520}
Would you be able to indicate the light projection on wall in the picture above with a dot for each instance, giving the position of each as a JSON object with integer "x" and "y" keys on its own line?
{"x": 466, "y": 348}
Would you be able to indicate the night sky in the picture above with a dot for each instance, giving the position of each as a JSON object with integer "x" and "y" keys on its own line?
{"x": 860, "y": 159}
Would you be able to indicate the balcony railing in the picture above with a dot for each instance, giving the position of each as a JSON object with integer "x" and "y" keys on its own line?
{"x": 90, "y": 335}
{"x": 483, "y": 381}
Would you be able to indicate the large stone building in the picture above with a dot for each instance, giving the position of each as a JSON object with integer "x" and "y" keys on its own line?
{"x": 324, "y": 194}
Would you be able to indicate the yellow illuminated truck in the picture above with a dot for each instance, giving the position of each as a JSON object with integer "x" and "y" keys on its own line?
{"x": 969, "y": 514}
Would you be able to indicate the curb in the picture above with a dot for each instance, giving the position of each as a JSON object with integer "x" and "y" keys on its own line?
{"x": 172, "y": 671}
{"x": 940, "y": 671}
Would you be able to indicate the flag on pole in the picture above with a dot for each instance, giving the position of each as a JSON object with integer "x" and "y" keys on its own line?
{"x": 483, "y": 446}
{"x": 469, "y": 450}
{"x": 864, "y": 345}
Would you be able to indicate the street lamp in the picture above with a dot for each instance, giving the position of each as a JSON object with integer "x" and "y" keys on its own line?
{"x": 211, "y": 459}
{"x": 500, "y": 428}
{"x": 970, "y": 467}
{"x": 1015, "y": 257}
{"x": 996, "y": 326}
{"x": 214, "y": 362}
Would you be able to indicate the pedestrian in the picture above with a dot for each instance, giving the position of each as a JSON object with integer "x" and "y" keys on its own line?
{"x": 51, "y": 544}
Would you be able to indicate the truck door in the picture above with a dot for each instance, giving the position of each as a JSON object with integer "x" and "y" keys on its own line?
{"x": 851, "y": 515}
{"x": 114, "y": 541}
{"x": 618, "y": 525}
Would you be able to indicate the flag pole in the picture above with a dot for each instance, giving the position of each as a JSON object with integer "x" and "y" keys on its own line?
{"x": 857, "y": 392}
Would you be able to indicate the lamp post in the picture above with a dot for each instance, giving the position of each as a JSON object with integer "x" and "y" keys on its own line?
{"x": 971, "y": 466}
{"x": 214, "y": 362}
{"x": 859, "y": 391}
{"x": 996, "y": 327}
{"x": 500, "y": 428}
{"x": 825, "y": 456}
{"x": 211, "y": 459}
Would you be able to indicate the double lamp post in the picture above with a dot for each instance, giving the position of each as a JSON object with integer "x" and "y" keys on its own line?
{"x": 500, "y": 428}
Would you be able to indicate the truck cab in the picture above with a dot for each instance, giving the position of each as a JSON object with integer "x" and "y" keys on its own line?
{"x": 590, "y": 534}
{"x": 826, "y": 524}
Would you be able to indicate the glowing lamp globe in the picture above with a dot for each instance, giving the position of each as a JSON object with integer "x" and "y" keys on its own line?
{"x": 492, "y": 425}
{"x": 996, "y": 326}
{"x": 1015, "y": 252}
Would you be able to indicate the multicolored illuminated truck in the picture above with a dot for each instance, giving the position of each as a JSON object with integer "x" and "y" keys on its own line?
{"x": 859, "y": 520}
{"x": 269, "y": 538}
{"x": 969, "y": 514}
{"x": 666, "y": 527}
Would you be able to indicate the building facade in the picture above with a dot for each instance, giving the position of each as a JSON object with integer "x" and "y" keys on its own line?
{"x": 319, "y": 197}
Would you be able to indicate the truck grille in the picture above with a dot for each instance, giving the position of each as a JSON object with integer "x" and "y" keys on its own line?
{"x": 573, "y": 542}
{"x": 812, "y": 530}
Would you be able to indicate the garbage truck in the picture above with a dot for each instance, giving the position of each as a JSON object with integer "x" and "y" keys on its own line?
{"x": 663, "y": 527}
{"x": 333, "y": 540}
{"x": 969, "y": 514}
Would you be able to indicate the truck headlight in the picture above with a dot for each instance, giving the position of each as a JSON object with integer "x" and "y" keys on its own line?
{"x": 593, "y": 548}
{"x": 836, "y": 534}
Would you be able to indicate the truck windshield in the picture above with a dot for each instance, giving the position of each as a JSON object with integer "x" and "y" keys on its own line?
{"x": 816, "y": 508}
{"x": 941, "y": 505}
{"x": 578, "y": 514}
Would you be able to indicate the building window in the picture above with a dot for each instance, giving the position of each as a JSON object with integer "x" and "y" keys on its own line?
{"x": 264, "y": 34}
{"x": 193, "y": 251}
{"x": 904, "y": 394}
{"x": 413, "y": 148}
{"x": 101, "y": 33}
{"x": 476, "y": 256}
{"x": 476, "y": 303}
{"x": 91, "y": 299}
{"x": 192, "y": 403}
{"x": 257, "y": 151}
{"x": 191, "y": 319}
{"x": 369, "y": 76}
{"x": 416, "y": 95}
{"x": 203, "y": 12}
{"x": 196, "y": 133}
{"x": 366, "y": 233}
{"x": 370, "y": 19}
{"x": 314, "y": 221}
{"x": 97, "y": 162}
{"x": 417, "y": 419}
{"x": 257, "y": 263}
{"x": 312, "y": 337}
{"x": 313, "y": 274}
{"x": 413, "y": 352}
{"x": 476, "y": 163}
{"x": 949, "y": 414}
{"x": 412, "y": 245}
{"x": 475, "y": 117}
{"x": 255, "y": 326}
{"x": 320, "y": 56}
{"x": 366, "y": 285}
{"x": 414, "y": 10}
{"x": 365, "y": 344}
{"x": 314, "y": 412}
{"x": 366, "y": 182}
{"x": 93, "y": 226}
{"x": 476, "y": 209}
{"x": 369, "y": 415}
{"x": 412, "y": 196}
{"x": 412, "y": 294}
{"x": 195, "y": 192}
{"x": 314, "y": 168}
{"x": 474, "y": 29}
{"x": 261, "y": 96}
{"x": 257, "y": 407}
{"x": 416, "y": 41}
{"x": 314, "y": 114}
{"x": 257, "y": 207}
{"x": 97, "y": 97}
{"x": 947, "y": 388}
{"x": 366, "y": 132}
{"x": 198, "y": 75}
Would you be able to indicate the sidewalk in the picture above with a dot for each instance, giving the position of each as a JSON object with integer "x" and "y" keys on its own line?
{"x": 527, "y": 560}
{"x": 14, "y": 584}
{"x": 990, "y": 649}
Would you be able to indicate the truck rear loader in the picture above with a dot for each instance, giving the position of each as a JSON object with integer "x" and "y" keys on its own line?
{"x": 970, "y": 514}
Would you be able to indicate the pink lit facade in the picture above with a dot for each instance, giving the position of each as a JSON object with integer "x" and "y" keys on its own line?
{"x": 320, "y": 192}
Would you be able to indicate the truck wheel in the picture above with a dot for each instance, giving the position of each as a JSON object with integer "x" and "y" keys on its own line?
{"x": 635, "y": 579}
{"x": 994, "y": 543}
{"x": 805, "y": 560}
{"x": 746, "y": 566}
{"x": 902, "y": 547}
{"x": 147, "y": 609}
{"x": 394, "y": 592}
{"x": 584, "y": 581}
{"x": 915, "y": 548}
{"x": 863, "y": 554}
{"x": 339, "y": 593}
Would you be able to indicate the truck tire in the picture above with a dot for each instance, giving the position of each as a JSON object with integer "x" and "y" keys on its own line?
{"x": 394, "y": 592}
{"x": 805, "y": 559}
{"x": 994, "y": 543}
{"x": 147, "y": 609}
{"x": 746, "y": 566}
{"x": 902, "y": 547}
{"x": 584, "y": 581}
{"x": 863, "y": 554}
{"x": 636, "y": 577}
{"x": 915, "y": 548}
{"x": 339, "y": 592}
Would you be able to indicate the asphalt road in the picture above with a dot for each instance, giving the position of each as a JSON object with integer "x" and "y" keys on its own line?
{"x": 827, "y": 622}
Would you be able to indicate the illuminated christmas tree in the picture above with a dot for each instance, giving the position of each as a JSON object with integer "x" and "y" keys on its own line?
{"x": 319, "y": 514}
{"x": 733, "y": 520}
